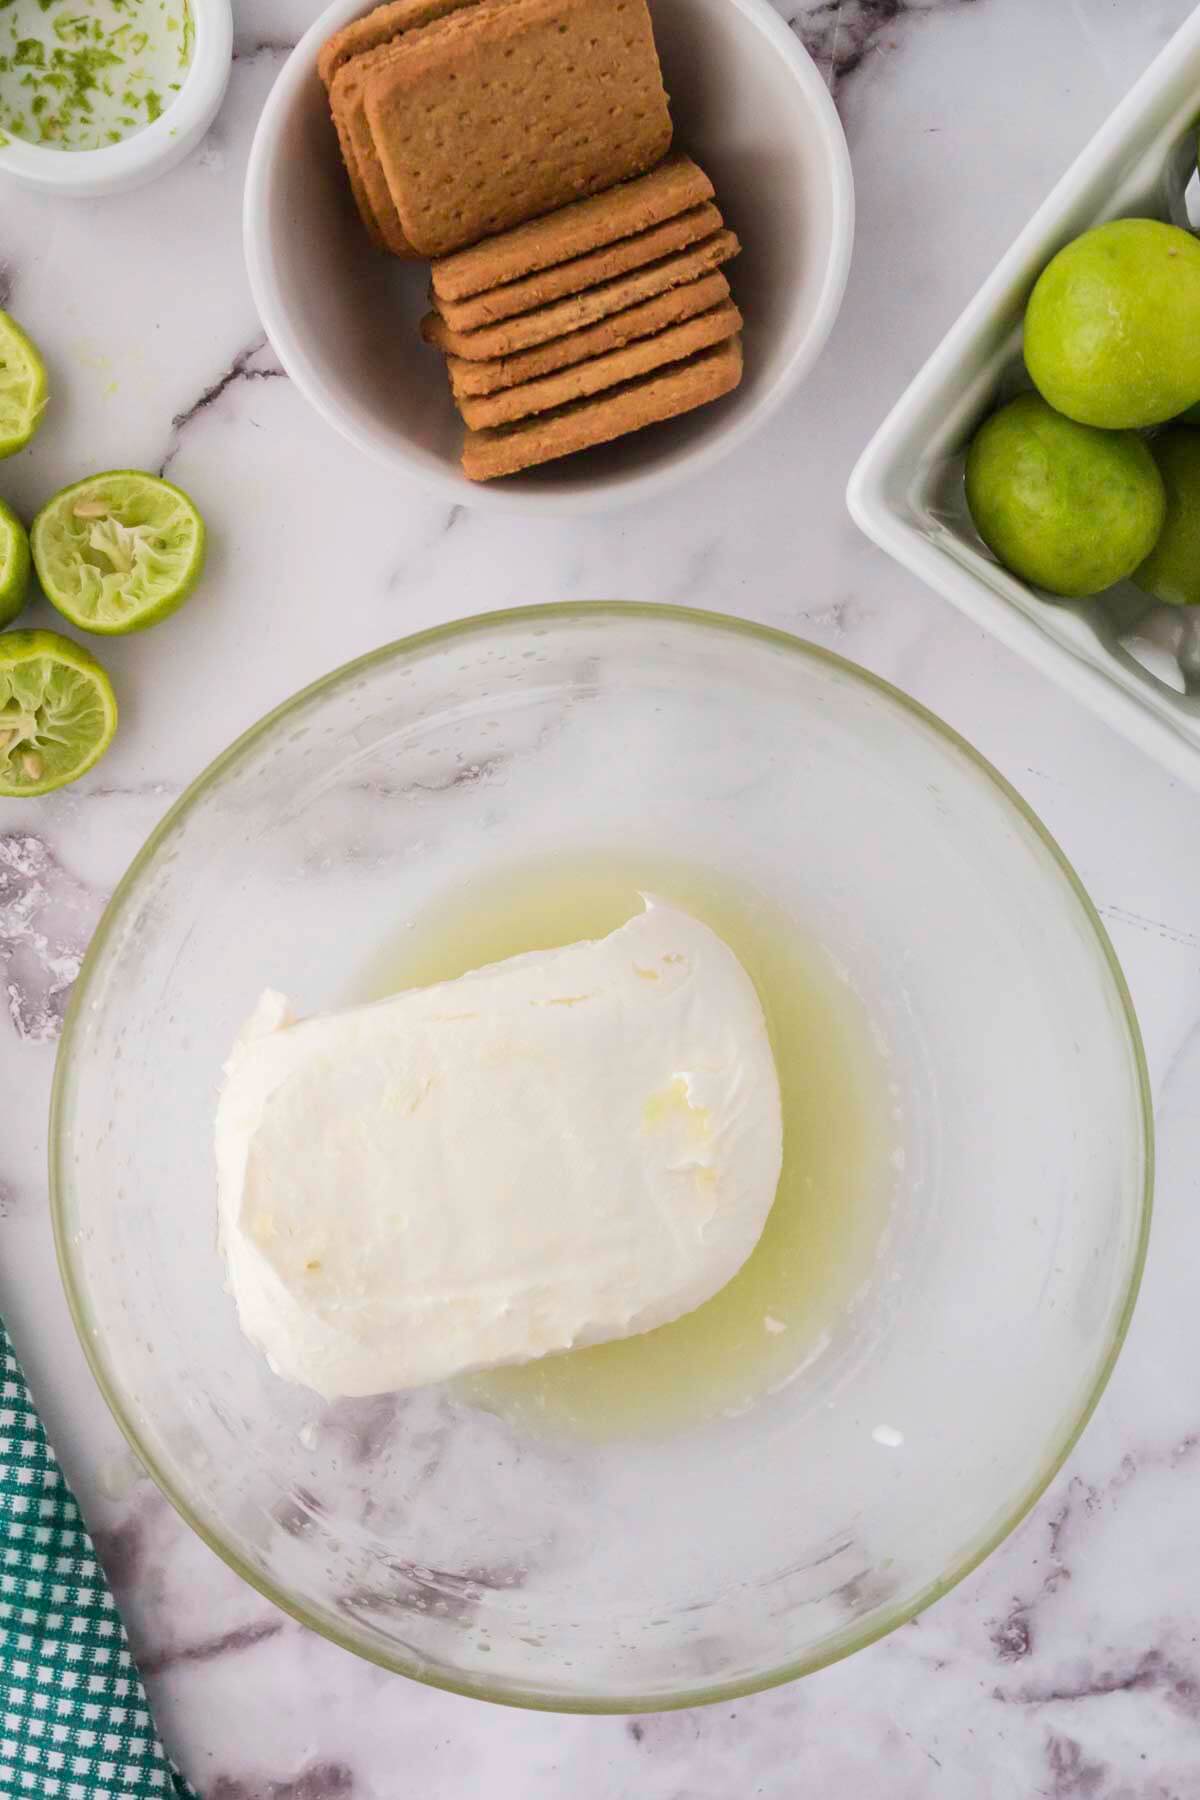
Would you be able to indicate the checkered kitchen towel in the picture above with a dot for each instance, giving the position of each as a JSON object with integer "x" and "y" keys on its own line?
{"x": 74, "y": 1723}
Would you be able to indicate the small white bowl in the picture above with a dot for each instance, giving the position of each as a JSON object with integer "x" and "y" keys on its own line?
{"x": 115, "y": 169}
{"x": 747, "y": 101}
{"x": 906, "y": 492}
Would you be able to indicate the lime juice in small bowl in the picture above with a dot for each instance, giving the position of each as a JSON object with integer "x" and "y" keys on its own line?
{"x": 85, "y": 73}
{"x": 98, "y": 96}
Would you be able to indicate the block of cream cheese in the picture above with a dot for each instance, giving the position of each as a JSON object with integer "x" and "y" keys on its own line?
{"x": 570, "y": 1146}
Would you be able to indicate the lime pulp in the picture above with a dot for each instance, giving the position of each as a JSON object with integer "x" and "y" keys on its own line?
{"x": 58, "y": 712}
{"x": 22, "y": 387}
{"x": 14, "y": 565}
{"x": 119, "y": 551}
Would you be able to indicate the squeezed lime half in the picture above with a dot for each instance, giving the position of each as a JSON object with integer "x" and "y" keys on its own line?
{"x": 14, "y": 565}
{"x": 22, "y": 387}
{"x": 58, "y": 712}
{"x": 118, "y": 552}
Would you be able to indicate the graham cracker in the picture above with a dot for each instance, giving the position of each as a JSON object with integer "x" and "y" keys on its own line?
{"x": 672, "y": 308}
{"x": 366, "y": 173}
{"x": 377, "y": 28}
{"x": 358, "y": 188}
{"x": 663, "y": 395}
{"x": 675, "y": 186}
{"x": 581, "y": 272}
{"x": 509, "y": 109}
{"x": 344, "y": 56}
{"x": 601, "y": 372}
{"x": 578, "y": 310}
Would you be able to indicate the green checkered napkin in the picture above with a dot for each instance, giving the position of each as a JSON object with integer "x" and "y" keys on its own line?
{"x": 74, "y": 1723}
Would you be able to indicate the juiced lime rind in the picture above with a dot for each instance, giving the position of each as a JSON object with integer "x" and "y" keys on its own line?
{"x": 118, "y": 552}
{"x": 58, "y": 712}
{"x": 22, "y": 387}
{"x": 15, "y": 565}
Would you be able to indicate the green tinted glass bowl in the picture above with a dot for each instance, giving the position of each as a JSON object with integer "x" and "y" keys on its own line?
{"x": 440, "y": 1540}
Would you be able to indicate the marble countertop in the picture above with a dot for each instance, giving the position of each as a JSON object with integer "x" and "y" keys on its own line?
{"x": 1069, "y": 1665}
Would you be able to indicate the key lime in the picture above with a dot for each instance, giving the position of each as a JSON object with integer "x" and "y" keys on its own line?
{"x": 1112, "y": 330}
{"x": 1065, "y": 506}
{"x": 22, "y": 387}
{"x": 1171, "y": 572}
{"x": 14, "y": 565}
{"x": 58, "y": 712}
{"x": 118, "y": 552}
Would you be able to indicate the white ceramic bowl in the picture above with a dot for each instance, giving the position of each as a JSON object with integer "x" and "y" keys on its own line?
{"x": 1135, "y": 664}
{"x": 84, "y": 174}
{"x": 747, "y": 101}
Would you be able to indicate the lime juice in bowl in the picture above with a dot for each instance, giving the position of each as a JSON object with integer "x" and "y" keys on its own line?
{"x": 843, "y": 1140}
{"x": 102, "y": 96}
{"x": 79, "y": 76}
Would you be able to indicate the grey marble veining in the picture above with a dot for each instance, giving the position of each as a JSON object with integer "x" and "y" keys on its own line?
{"x": 840, "y": 34}
{"x": 1068, "y": 1666}
{"x": 256, "y": 362}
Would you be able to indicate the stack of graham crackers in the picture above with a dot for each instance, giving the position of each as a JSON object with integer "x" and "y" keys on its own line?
{"x": 604, "y": 317}
{"x": 576, "y": 296}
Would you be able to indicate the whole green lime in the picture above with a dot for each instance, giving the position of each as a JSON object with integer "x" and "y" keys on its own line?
{"x": 1112, "y": 330}
{"x": 1171, "y": 572}
{"x": 1064, "y": 506}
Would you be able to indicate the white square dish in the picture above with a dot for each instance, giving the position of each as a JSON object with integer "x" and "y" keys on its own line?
{"x": 1136, "y": 664}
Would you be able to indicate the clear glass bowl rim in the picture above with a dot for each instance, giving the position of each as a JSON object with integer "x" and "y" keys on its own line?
{"x": 507, "y": 1693}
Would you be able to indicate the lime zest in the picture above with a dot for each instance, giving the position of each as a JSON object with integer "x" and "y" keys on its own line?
{"x": 72, "y": 77}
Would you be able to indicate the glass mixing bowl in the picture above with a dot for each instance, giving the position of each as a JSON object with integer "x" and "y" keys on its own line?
{"x": 648, "y": 1571}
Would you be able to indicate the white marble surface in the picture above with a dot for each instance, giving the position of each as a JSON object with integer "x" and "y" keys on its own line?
{"x": 1069, "y": 1666}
